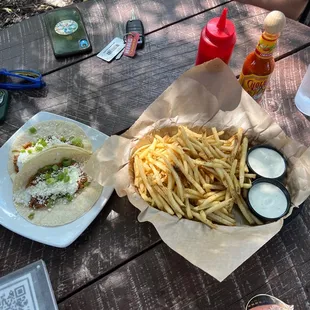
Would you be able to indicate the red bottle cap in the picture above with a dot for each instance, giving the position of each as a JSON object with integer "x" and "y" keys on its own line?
{"x": 221, "y": 29}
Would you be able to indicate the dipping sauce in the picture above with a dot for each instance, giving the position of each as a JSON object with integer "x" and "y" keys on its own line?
{"x": 269, "y": 200}
{"x": 266, "y": 162}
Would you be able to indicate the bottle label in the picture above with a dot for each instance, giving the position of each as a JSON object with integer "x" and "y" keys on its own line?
{"x": 266, "y": 45}
{"x": 254, "y": 85}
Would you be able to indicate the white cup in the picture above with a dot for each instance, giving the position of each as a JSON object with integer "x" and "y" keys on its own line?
{"x": 302, "y": 98}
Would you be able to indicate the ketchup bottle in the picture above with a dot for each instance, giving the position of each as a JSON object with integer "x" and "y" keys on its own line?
{"x": 217, "y": 39}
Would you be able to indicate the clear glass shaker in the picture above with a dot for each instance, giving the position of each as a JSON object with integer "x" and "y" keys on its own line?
{"x": 302, "y": 98}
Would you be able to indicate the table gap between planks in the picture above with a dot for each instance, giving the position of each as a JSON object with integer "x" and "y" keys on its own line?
{"x": 100, "y": 90}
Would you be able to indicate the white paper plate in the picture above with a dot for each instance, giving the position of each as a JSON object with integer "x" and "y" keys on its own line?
{"x": 60, "y": 236}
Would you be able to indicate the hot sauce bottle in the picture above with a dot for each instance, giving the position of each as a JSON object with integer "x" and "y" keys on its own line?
{"x": 217, "y": 39}
{"x": 259, "y": 64}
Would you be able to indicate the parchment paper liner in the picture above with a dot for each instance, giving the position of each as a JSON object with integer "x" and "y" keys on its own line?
{"x": 204, "y": 96}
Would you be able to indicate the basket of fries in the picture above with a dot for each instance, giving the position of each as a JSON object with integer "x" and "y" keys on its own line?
{"x": 183, "y": 165}
{"x": 199, "y": 175}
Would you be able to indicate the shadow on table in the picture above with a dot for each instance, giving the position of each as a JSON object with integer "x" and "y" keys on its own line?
{"x": 110, "y": 97}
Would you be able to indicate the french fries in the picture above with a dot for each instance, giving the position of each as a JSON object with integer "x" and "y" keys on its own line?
{"x": 198, "y": 176}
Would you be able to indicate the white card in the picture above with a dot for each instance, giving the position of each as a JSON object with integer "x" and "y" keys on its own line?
{"x": 112, "y": 49}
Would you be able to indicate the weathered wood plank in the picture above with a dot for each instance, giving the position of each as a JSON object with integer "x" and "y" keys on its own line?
{"x": 279, "y": 98}
{"x": 26, "y": 45}
{"x": 288, "y": 286}
{"x": 114, "y": 237}
{"x": 162, "y": 279}
{"x": 111, "y": 97}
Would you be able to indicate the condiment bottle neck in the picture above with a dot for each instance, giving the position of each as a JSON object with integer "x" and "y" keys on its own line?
{"x": 266, "y": 45}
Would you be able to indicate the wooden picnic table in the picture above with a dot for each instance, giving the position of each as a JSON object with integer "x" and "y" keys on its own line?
{"x": 119, "y": 263}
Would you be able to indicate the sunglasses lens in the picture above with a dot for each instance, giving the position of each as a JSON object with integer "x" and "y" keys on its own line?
{"x": 16, "y": 80}
{"x": 28, "y": 74}
{"x": 19, "y": 77}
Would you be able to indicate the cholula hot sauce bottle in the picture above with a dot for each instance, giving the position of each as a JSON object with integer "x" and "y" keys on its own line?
{"x": 259, "y": 64}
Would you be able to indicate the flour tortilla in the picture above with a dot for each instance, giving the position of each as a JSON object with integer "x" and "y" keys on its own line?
{"x": 44, "y": 129}
{"x": 61, "y": 213}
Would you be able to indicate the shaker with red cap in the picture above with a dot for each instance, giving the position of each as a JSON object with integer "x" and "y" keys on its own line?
{"x": 218, "y": 38}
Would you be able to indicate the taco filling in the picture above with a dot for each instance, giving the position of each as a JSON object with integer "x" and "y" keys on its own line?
{"x": 31, "y": 148}
{"x": 52, "y": 183}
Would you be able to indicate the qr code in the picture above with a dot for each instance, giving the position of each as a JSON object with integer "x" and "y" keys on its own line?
{"x": 18, "y": 295}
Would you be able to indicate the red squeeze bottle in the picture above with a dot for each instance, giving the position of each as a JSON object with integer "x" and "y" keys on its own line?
{"x": 217, "y": 39}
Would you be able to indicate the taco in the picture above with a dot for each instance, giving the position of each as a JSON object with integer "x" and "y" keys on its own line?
{"x": 43, "y": 136}
{"x": 52, "y": 189}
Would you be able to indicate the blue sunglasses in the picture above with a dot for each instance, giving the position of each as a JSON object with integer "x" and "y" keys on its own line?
{"x": 20, "y": 79}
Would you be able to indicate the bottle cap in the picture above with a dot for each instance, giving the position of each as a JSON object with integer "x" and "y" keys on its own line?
{"x": 221, "y": 29}
{"x": 274, "y": 22}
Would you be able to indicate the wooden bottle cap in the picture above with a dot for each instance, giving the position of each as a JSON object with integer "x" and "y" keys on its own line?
{"x": 274, "y": 22}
